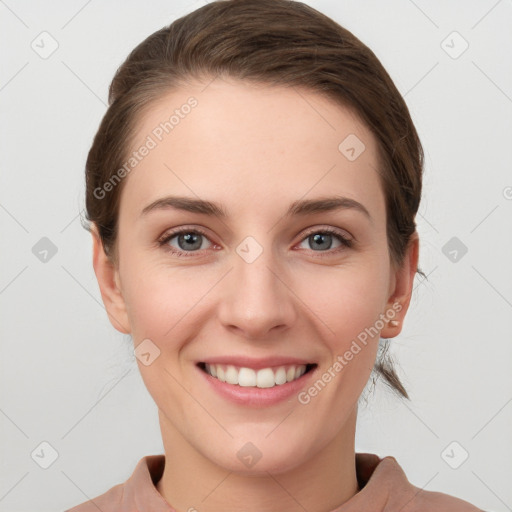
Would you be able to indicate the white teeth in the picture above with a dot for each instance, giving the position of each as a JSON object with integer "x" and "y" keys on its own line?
{"x": 247, "y": 377}
{"x": 280, "y": 376}
{"x": 263, "y": 378}
{"x": 299, "y": 371}
{"x": 231, "y": 375}
{"x": 220, "y": 374}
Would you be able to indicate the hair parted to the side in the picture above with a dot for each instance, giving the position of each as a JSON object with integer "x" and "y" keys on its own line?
{"x": 268, "y": 42}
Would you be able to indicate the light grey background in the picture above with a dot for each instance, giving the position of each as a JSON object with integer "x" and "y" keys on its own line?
{"x": 68, "y": 378}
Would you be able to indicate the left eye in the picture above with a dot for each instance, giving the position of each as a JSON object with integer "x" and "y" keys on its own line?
{"x": 323, "y": 240}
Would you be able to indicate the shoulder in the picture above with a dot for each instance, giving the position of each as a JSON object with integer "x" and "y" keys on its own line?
{"x": 136, "y": 493}
{"x": 404, "y": 496}
{"x": 110, "y": 501}
{"x": 440, "y": 502}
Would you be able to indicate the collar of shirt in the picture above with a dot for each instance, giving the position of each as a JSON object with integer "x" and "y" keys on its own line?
{"x": 383, "y": 488}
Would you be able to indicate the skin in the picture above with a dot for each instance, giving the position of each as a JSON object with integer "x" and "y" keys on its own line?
{"x": 255, "y": 150}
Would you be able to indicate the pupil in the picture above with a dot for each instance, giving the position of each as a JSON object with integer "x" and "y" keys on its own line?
{"x": 191, "y": 240}
{"x": 320, "y": 238}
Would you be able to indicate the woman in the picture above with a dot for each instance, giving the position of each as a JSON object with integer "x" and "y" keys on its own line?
{"x": 252, "y": 191}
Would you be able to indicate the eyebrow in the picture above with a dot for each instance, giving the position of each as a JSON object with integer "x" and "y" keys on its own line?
{"x": 297, "y": 208}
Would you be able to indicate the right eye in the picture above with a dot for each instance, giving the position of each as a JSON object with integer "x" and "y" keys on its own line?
{"x": 185, "y": 241}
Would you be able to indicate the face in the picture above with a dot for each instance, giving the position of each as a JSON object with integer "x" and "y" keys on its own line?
{"x": 283, "y": 285}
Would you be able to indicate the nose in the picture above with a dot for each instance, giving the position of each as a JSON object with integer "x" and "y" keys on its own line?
{"x": 256, "y": 301}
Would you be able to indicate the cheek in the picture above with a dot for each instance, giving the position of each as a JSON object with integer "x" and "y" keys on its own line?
{"x": 161, "y": 306}
{"x": 157, "y": 303}
{"x": 351, "y": 310}
{"x": 347, "y": 299}
{"x": 168, "y": 305}
{"x": 347, "y": 303}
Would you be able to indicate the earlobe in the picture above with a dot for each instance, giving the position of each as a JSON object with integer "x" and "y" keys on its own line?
{"x": 399, "y": 300}
{"x": 109, "y": 284}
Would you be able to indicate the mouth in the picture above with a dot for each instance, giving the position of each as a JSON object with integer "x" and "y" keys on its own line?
{"x": 247, "y": 377}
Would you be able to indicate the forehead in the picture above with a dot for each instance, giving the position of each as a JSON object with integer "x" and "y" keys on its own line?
{"x": 252, "y": 145}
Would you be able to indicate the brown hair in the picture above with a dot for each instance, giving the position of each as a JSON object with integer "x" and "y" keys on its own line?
{"x": 274, "y": 42}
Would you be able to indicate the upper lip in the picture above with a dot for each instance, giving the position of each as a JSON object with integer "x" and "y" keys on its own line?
{"x": 256, "y": 364}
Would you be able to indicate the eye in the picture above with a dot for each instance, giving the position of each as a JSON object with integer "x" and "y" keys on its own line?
{"x": 187, "y": 241}
{"x": 184, "y": 241}
{"x": 321, "y": 240}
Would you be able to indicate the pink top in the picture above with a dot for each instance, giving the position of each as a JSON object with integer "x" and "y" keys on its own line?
{"x": 384, "y": 488}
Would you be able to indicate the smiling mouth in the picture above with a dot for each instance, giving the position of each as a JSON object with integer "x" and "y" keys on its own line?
{"x": 261, "y": 378}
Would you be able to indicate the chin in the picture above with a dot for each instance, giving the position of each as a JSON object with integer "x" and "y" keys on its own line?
{"x": 262, "y": 455}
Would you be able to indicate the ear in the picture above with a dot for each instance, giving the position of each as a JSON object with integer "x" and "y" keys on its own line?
{"x": 401, "y": 289}
{"x": 108, "y": 280}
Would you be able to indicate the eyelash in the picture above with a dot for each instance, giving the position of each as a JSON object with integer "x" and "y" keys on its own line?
{"x": 347, "y": 243}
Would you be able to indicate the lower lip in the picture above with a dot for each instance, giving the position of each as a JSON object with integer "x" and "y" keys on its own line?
{"x": 257, "y": 397}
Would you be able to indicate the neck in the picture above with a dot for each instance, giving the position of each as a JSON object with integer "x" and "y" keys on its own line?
{"x": 321, "y": 484}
